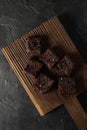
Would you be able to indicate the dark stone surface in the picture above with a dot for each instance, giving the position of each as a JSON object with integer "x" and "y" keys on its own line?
{"x": 82, "y": 99}
{"x": 16, "y": 18}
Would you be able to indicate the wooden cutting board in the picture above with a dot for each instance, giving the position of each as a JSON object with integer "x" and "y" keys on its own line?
{"x": 17, "y": 57}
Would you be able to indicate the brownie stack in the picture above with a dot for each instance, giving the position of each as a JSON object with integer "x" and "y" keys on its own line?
{"x": 43, "y": 62}
{"x": 66, "y": 82}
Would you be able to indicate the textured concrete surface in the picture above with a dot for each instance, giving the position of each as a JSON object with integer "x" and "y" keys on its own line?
{"x": 16, "y": 18}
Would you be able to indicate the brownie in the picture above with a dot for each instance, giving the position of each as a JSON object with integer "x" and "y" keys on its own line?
{"x": 33, "y": 46}
{"x": 34, "y": 67}
{"x": 43, "y": 83}
{"x": 49, "y": 58}
{"x": 64, "y": 67}
{"x": 66, "y": 86}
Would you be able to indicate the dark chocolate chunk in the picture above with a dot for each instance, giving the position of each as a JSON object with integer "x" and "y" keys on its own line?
{"x": 66, "y": 86}
{"x": 49, "y": 58}
{"x": 64, "y": 67}
{"x": 34, "y": 67}
{"x": 43, "y": 83}
{"x": 33, "y": 46}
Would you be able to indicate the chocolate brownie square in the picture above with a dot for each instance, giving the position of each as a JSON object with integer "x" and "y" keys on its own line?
{"x": 34, "y": 67}
{"x": 49, "y": 58}
{"x": 66, "y": 86}
{"x": 43, "y": 83}
{"x": 64, "y": 67}
{"x": 33, "y": 46}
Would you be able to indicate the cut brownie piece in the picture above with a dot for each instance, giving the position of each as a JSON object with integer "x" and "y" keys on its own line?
{"x": 64, "y": 67}
{"x": 66, "y": 86}
{"x": 34, "y": 67}
{"x": 33, "y": 46}
{"x": 49, "y": 58}
{"x": 43, "y": 83}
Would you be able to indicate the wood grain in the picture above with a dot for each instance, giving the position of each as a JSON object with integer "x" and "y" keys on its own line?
{"x": 17, "y": 57}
